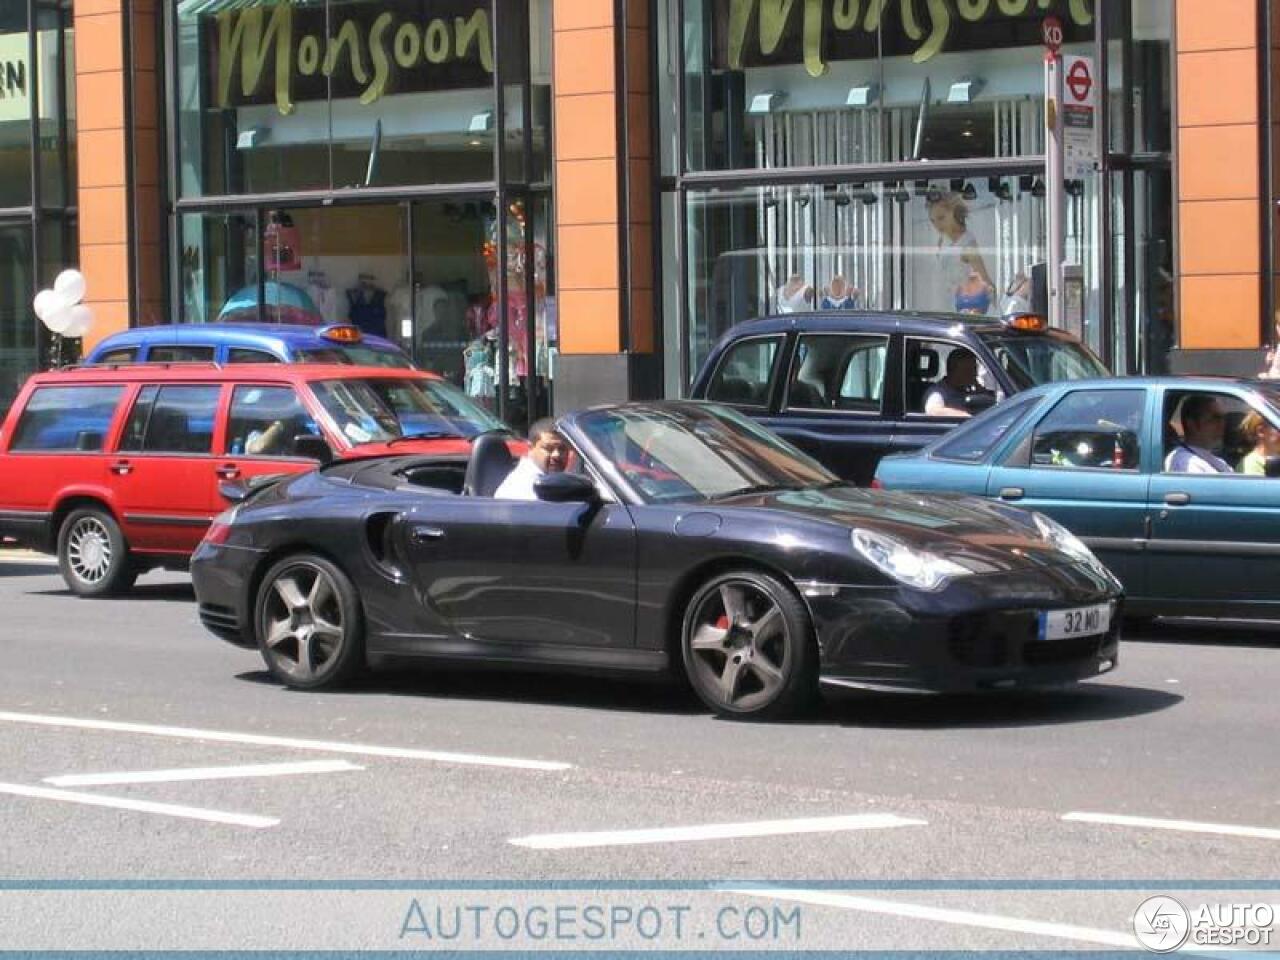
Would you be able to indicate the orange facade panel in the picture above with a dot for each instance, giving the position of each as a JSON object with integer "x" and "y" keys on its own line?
{"x": 99, "y": 43}
{"x": 1218, "y": 163}
{"x": 106, "y": 270}
{"x": 100, "y": 101}
{"x": 1217, "y": 25}
{"x": 587, "y": 191}
{"x": 1220, "y": 312}
{"x": 582, "y": 14}
{"x": 109, "y": 316}
{"x": 1219, "y": 87}
{"x": 584, "y": 62}
{"x": 586, "y": 127}
{"x": 1219, "y": 237}
{"x": 104, "y": 215}
{"x": 101, "y": 158}
{"x": 588, "y": 257}
{"x": 595, "y": 318}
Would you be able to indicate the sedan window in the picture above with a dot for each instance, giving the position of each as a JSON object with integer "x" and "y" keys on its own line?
{"x": 973, "y": 442}
{"x": 1091, "y": 429}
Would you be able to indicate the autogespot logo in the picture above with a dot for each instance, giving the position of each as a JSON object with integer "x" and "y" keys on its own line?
{"x": 1161, "y": 924}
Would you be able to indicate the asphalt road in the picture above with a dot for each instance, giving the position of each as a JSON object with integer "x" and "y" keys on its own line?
{"x": 423, "y": 775}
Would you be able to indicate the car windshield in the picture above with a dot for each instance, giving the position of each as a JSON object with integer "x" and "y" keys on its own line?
{"x": 380, "y": 410}
{"x": 1032, "y": 360}
{"x": 361, "y": 356}
{"x": 696, "y": 453}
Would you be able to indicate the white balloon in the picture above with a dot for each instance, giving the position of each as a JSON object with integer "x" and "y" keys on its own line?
{"x": 80, "y": 322}
{"x": 48, "y": 302}
{"x": 71, "y": 284}
{"x": 59, "y": 320}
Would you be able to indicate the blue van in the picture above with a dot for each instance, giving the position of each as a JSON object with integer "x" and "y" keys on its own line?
{"x": 248, "y": 343}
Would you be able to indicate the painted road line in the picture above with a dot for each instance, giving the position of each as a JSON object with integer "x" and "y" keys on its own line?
{"x": 1186, "y": 826}
{"x": 291, "y": 743}
{"x": 964, "y": 918}
{"x": 141, "y": 806}
{"x": 202, "y": 773}
{"x": 713, "y": 831}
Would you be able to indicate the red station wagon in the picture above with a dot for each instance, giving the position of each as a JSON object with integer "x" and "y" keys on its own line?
{"x": 118, "y": 470}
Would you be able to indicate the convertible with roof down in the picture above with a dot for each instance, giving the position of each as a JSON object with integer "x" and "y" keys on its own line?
{"x": 681, "y": 537}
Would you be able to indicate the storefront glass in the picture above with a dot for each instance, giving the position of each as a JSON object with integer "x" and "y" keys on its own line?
{"x": 15, "y": 106}
{"x": 835, "y": 82}
{"x": 18, "y": 351}
{"x": 956, "y": 247}
{"x": 315, "y": 94}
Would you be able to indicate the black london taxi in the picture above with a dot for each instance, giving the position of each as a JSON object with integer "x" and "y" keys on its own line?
{"x": 849, "y": 387}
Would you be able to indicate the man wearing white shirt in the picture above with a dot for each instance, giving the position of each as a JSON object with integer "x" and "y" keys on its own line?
{"x": 548, "y": 453}
{"x": 1203, "y": 426}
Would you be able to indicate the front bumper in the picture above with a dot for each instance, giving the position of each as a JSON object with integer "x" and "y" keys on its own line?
{"x": 978, "y": 633}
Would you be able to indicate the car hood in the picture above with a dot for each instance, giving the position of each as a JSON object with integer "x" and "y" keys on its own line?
{"x": 984, "y": 536}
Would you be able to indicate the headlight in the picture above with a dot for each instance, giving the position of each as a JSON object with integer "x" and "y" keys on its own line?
{"x": 916, "y": 568}
{"x": 1062, "y": 538}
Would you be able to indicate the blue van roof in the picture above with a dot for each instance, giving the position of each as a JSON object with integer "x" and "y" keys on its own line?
{"x": 278, "y": 338}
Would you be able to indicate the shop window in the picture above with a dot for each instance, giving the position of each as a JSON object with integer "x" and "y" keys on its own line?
{"x": 67, "y": 418}
{"x": 745, "y": 373}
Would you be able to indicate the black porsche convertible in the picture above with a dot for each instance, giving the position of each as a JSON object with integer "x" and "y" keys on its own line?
{"x": 681, "y": 537}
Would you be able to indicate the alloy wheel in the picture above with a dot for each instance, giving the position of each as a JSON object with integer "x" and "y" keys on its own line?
{"x": 741, "y": 646}
{"x": 303, "y": 621}
{"x": 89, "y": 551}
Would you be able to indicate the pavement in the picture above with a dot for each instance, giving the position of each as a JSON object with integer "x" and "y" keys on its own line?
{"x": 135, "y": 745}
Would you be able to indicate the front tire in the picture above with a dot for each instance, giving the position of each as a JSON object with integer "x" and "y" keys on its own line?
{"x": 749, "y": 649}
{"x": 308, "y": 623}
{"x": 93, "y": 554}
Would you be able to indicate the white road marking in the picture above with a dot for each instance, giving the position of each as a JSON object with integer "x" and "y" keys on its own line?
{"x": 1187, "y": 826}
{"x": 965, "y": 918}
{"x": 141, "y": 806}
{"x": 291, "y": 743}
{"x": 202, "y": 773}
{"x": 713, "y": 831}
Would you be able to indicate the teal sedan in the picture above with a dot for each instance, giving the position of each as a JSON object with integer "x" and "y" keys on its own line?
{"x": 1167, "y": 479}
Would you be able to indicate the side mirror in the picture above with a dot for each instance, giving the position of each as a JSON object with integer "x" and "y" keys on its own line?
{"x": 979, "y": 401}
{"x": 566, "y": 488}
{"x": 1273, "y": 466}
{"x": 312, "y": 447}
{"x": 233, "y": 491}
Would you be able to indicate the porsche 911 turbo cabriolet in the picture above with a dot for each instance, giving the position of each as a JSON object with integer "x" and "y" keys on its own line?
{"x": 681, "y": 537}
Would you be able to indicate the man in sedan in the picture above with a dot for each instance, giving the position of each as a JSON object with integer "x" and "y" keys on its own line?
{"x": 548, "y": 453}
{"x": 1203, "y": 426}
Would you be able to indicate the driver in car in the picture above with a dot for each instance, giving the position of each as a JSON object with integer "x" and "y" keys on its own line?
{"x": 548, "y": 453}
{"x": 946, "y": 398}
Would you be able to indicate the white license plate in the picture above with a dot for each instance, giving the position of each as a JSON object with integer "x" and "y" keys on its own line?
{"x": 1081, "y": 622}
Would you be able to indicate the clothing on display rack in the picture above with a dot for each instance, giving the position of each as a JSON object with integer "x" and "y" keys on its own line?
{"x": 367, "y": 306}
{"x": 480, "y": 379}
{"x": 840, "y": 295}
{"x": 324, "y": 296}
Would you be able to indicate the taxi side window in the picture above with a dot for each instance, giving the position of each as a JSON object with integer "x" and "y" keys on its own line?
{"x": 123, "y": 355}
{"x": 838, "y": 372}
{"x": 67, "y": 418}
{"x": 1091, "y": 429}
{"x": 246, "y": 355}
{"x": 177, "y": 354}
{"x": 745, "y": 372}
{"x": 265, "y": 420}
{"x": 172, "y": 419}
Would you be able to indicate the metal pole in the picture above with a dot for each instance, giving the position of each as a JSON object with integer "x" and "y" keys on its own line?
{"x": 1055, "y": 187}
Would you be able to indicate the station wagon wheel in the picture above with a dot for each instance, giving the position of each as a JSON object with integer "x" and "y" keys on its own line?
{"x": 748, "y": 647}
{"x": 93, "y": 554}
{"x": 309, "y": 624}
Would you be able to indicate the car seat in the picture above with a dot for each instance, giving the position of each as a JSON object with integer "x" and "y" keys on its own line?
{"x": 921, "y": 375}
{"x": 489, "y": 465}
{"x": 807, "y": 395}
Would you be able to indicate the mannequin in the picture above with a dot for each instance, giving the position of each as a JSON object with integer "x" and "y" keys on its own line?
{"x": 325, "y": 297}
{"x": 367, "y": 304}
{"x": 840, "y": 295}
{"x": 795, "y": 296}
{"x": 480, "y": 377}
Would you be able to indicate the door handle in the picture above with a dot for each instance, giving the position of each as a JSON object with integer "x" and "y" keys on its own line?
{"x": 425, "y": 534}
{"x": 1012, "y": 493}
{"x": 228, "y": 471}
{"x": 122, "y": 468}
{"x": 1177, "y": 499}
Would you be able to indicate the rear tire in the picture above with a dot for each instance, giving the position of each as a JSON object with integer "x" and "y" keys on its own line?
{"x": 749, "y": 649}
{"x": 308, "y": 623}
{"x": 93, "y": 554}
